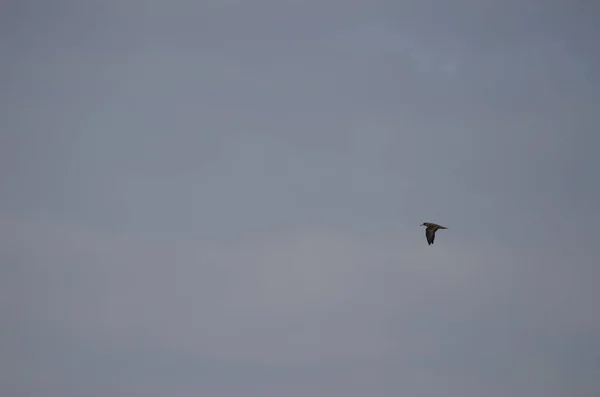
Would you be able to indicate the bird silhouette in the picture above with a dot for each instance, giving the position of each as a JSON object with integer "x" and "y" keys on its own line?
{"x": 430, "y": 231}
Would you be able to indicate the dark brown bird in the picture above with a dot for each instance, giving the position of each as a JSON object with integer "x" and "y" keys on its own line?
{"x": 430, "y": 231}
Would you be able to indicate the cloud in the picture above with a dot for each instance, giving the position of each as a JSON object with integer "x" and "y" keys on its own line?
{"x": 293, "y": 296}
{"x": 223, "y": 199}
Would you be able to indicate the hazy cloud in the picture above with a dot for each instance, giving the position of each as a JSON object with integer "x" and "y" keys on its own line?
{"x": 224, "y": 198}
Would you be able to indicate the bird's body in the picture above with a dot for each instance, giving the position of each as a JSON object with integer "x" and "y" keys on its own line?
{"x": 430, "y": 231}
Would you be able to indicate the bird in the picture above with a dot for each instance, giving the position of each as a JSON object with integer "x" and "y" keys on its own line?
{"x": 430, "y": 231}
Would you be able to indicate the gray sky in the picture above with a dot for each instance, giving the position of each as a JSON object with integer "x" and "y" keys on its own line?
{"x": 223, "y": 198}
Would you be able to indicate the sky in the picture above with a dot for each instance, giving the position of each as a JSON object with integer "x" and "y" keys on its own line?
{"x": 224, "y": 198}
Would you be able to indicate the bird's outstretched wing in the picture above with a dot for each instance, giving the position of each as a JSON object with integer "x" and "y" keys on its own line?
{"x": 430, "y": 234}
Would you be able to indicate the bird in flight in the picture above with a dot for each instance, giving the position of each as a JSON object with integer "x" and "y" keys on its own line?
{"x": 430, "y": 231}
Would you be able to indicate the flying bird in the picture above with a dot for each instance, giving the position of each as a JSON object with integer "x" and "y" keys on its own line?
{"x": 430, "y": 231}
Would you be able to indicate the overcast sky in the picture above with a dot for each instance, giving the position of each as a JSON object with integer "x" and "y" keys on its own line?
{"x": 223, "y": 198}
